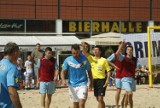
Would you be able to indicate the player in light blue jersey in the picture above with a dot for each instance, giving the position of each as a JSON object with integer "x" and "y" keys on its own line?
{"x": 76, "y": 66}
{"x": 9, "y": 97}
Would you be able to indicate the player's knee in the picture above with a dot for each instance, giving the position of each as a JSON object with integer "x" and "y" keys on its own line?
{"x": 75, "y": 104}
{"x": 100, "y": 99}
{"x": 81, "y": 104}
{"x": 118, "y": 91}
{"x": 129, "y": 95}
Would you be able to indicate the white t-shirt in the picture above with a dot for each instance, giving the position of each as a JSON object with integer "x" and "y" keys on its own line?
{"x": 28, "y": 65}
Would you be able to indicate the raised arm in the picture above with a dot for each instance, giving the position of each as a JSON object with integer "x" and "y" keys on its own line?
{"x": 84, "y": 49}
{"x": 120, "y": 48}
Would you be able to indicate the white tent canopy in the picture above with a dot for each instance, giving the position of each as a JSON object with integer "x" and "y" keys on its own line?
{"x": 28, "y": 42}
{"x": 104, "y": 39}
{"x": 108, "y": 35}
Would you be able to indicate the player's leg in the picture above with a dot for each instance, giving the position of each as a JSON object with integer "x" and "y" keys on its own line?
{"x": 101, "y": 103}
{"x": 50, "y": 91}
{"x": 123, "y": 100}
{"x": 117, "y": 96}
{"x": 43, "y": 96}
{"x": 30, "y": 80}
{"x": 48, "y": 100}
{"x": 130, "y": 93}
{"x": 130, "y": 100}
{"x": 118, "y": 91}
{"x": 73, "y": 96}
{"x": 43, "y": 93}
{"x": 75, "y": 104}
{"x": 82, "y": 93}
{"x": 129, "y": 86}
{"x": 99, "y": 92}
{"x": 82, "y": 103}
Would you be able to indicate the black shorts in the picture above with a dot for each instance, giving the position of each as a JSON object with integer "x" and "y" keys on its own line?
{"x": 98, "y": 84}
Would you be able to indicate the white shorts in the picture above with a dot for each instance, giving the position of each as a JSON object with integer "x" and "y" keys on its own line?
{"x": 77, "y": 93}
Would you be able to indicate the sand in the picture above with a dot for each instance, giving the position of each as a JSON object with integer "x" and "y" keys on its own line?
{"x": 144, "y": 97}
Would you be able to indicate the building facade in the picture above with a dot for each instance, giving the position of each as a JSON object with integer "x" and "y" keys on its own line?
{"x": 83, "y": 17}
{"x": 81, "y": 9}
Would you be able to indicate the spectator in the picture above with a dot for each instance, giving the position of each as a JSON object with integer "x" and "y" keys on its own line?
{"x": 20, "y": 71}
{"x": 28, "y": 73}
{"x": 112, "y": 78}
{"x": 36, "y": 54}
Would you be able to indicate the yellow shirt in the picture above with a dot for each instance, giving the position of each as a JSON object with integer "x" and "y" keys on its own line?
{"x": 98, "y": 67}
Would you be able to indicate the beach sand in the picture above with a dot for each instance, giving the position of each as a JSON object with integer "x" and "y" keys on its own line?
{"x": 144, "y": 97}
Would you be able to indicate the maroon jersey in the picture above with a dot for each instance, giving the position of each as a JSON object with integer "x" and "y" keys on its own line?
{"x": 128, "y": 67}
{"x": 47, "y": 69}
{"x": 119, "y": 65}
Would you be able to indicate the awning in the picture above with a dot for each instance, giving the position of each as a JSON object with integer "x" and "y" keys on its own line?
{"x": 104, "y": 39}
{"x": 28, "y": 42}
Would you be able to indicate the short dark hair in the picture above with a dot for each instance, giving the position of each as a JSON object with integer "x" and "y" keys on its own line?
{"x": 28, "y": 55}
{"x": 10, "y": 48}
{"x": 75, "y": 47}
{"x": 129, "y": 46}
{"x": 120, "y": 42}
{"x": 99, "y": 47}
{"x": 85, "y": 43}
{"x": 38, "y": 44}
{"x": 48, "y": 49}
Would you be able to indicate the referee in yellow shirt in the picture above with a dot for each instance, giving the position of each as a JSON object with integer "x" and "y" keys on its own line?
{"x": 99, "y": 66}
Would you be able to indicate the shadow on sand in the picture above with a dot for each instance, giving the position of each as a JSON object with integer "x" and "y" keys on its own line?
{"x": 112, "y": 106}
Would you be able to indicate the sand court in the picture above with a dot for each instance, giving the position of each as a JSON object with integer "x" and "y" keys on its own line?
{"x": 144, "y": 97}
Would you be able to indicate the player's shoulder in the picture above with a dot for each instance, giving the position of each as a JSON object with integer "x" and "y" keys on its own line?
{"x": 6, "y": 62}
{"x": 26, "y": 61}
{"x": 13, "y": 66}
{"x": 83, "y": 57}
{"x": 69, "y": 58}
{"x": 103, "y": 59}
{"x": 34, "y": 51}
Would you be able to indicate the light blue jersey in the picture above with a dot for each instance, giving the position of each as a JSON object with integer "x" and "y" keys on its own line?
{"x": 8, "y": 77}
{"x": 76, "y": 69}
{"x": 112, "y": 57}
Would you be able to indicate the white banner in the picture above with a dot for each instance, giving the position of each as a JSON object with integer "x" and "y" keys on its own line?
{"x": 140, "y": 44}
